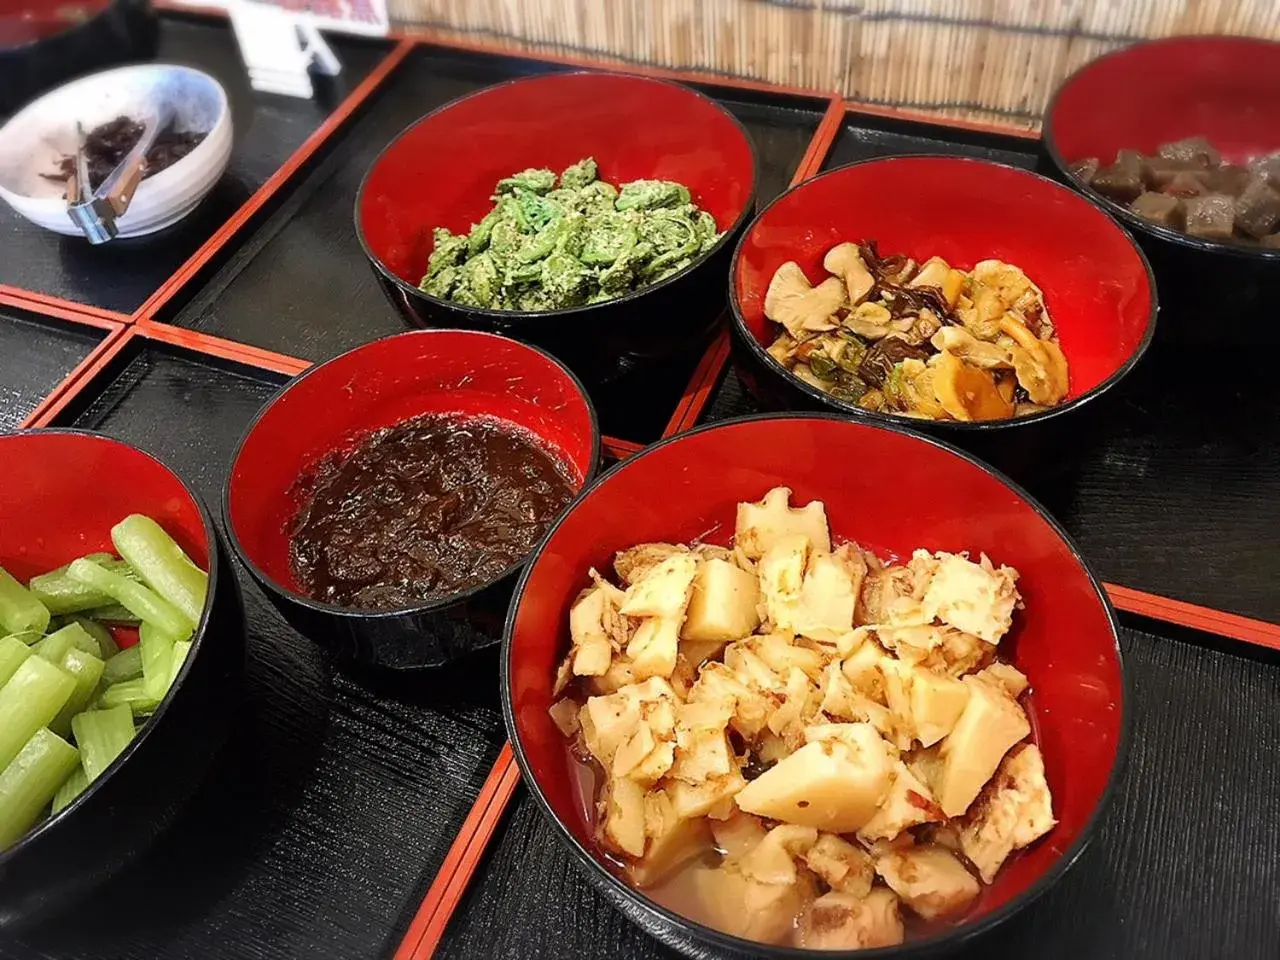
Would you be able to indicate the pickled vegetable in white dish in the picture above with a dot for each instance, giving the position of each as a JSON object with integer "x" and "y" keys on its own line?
{"x": 799, "y": 742}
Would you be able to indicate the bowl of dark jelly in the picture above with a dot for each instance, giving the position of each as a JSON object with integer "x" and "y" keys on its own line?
{"x": 442, "y": 171}
{"x": 1179, "y": 139}
{"x": 386, "y": 499}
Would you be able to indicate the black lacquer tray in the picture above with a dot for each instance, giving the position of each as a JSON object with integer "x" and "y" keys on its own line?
{"x": 354, "y": 815}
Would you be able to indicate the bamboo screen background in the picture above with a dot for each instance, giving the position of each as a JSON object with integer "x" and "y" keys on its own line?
{"x": 992, "y": 60}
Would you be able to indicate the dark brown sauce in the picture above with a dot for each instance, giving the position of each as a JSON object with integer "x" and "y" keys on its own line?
{"x": 424, "y": 509}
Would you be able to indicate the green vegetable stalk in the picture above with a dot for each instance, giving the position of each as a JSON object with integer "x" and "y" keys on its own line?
{"x": 20, "y": 611}
{"x": 30, "y": 781}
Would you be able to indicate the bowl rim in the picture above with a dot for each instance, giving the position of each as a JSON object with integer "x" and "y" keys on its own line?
{"x": 1123, "y": 213}
{"x": 28, "y": 46}
{"x": 437, "y": 603}
{"x": 202, "y": 150}
{"x": 739, "y": 323}
{"x": 531, "y": 317}
{"x": 197, "y": 637}
{"x": 951, "y": 938}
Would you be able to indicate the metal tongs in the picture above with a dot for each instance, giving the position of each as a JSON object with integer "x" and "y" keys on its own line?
{"x": 95, "y": 212}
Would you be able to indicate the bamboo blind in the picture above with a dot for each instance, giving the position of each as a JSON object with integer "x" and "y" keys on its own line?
{"x": 994, "y": 60}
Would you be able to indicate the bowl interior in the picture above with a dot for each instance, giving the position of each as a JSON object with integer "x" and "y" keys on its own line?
{"x": 1095, "y": 281}
{"x": 898, "y": 493}
{"x": 23, "y": 22}
{"x": 441, "y": 171}
{"x": 36, "y": 139}
{"x": 61, "y": 493}
{"x": 381, "y": 384}
{"x": 1224, "y": 88}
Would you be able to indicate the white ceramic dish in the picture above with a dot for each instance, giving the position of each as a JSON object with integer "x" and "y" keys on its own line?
{"x": 40, "y": 134}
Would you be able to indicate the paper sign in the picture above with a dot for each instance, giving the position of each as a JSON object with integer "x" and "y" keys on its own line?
{"x": 343, "y": 16}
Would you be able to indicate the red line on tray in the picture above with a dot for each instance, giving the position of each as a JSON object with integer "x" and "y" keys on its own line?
{"x": 823, "y": 138}
{"x": 79, "y": 378}
{"x": 700, "y": 386}
{"x": 62, "y": 309}
{"x": 210, "y": 345}
{"x": 460, "y": 863}
{"x": 273, "y": 184}
{"x": 1258, "y": 633}
{"x": 620, "y": 449}
{"x": 705, "y": 376}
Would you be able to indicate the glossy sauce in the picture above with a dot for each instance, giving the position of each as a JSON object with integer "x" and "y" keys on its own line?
{"x": 427, "y": 508}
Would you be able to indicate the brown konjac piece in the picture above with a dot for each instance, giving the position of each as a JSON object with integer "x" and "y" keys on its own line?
{"x": 1211, "y": 217}
{"x": 1159, "y": 208}
{"x": 426, "y": 508}
{"x": 1257, "y": 209}
{"x": 108, "y": 143}
{"x": 1195, "y": 150}
{"x": 1123, "y": 179}
{"x": 1187, "y": 186}
{"x": 1085, "y": 170}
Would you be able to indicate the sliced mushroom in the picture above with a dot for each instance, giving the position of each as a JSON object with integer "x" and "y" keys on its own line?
{"x": 1039, "y": 364}
{"x": 937, "y": 273}
{"x": 1008, "y": 281}
{"x": 963, "y": 344}
{"x": 799, "y": 306}
{"x": 870, "y": 320}
{"x": 966, "y": 392}
{"x": 846, "y": 262}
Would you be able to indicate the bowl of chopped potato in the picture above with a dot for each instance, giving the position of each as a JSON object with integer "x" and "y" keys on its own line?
{"x": 980, "y": 303}
{"x": 842, "y": 687}
{"x": 590, "y": 214}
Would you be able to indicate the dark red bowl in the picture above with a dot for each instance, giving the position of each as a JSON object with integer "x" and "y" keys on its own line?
{"x": 380, "y": 384}
{"x": 1223, "y": 88}
{"x": 61, "y": 492}
{"x": 1096, "y": 282}
{"x": 40, "y": 46}
{"x": 441, "y": 172}
{"x": 925, "y": 494}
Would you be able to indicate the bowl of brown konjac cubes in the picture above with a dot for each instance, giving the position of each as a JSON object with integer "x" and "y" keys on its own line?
{"x": 1179, "y": 140}
{"x": 795, "y": 705}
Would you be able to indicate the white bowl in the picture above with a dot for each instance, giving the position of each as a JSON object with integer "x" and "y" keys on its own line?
{"x": 44, "y": 131}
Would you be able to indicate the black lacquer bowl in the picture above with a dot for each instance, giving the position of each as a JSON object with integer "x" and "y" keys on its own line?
{"x": 1097, "y": 286}
{"x": 60, "y": 494}
{"x": 441, "y": 172}
{"x": 882, "y": 485}
{"x": 328, "y": 409}
{"x": 1226, "y": 89}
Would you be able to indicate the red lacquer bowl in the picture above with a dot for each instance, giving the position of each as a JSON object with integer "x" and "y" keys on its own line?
{"x": 1096, "y": 282}
{"x": 60, "y": 494}
{"x": 892, "y": 491}
{"x": 1224, "y": 88}
{"x": 441, "y": 172}
{"x": 329, "y": 408}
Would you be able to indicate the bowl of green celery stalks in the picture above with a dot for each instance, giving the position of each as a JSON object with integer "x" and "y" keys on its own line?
{"x": 121, "y": 641}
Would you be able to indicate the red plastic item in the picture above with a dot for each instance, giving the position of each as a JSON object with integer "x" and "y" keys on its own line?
{"x": 1224, "y": 88}
{"x": 441, "y": 171}
{"x": 383, "y": 383}
{"x": 890, "y": 491}
{"x": 1095, "y": 282}
{"x": 61, "y": 492}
